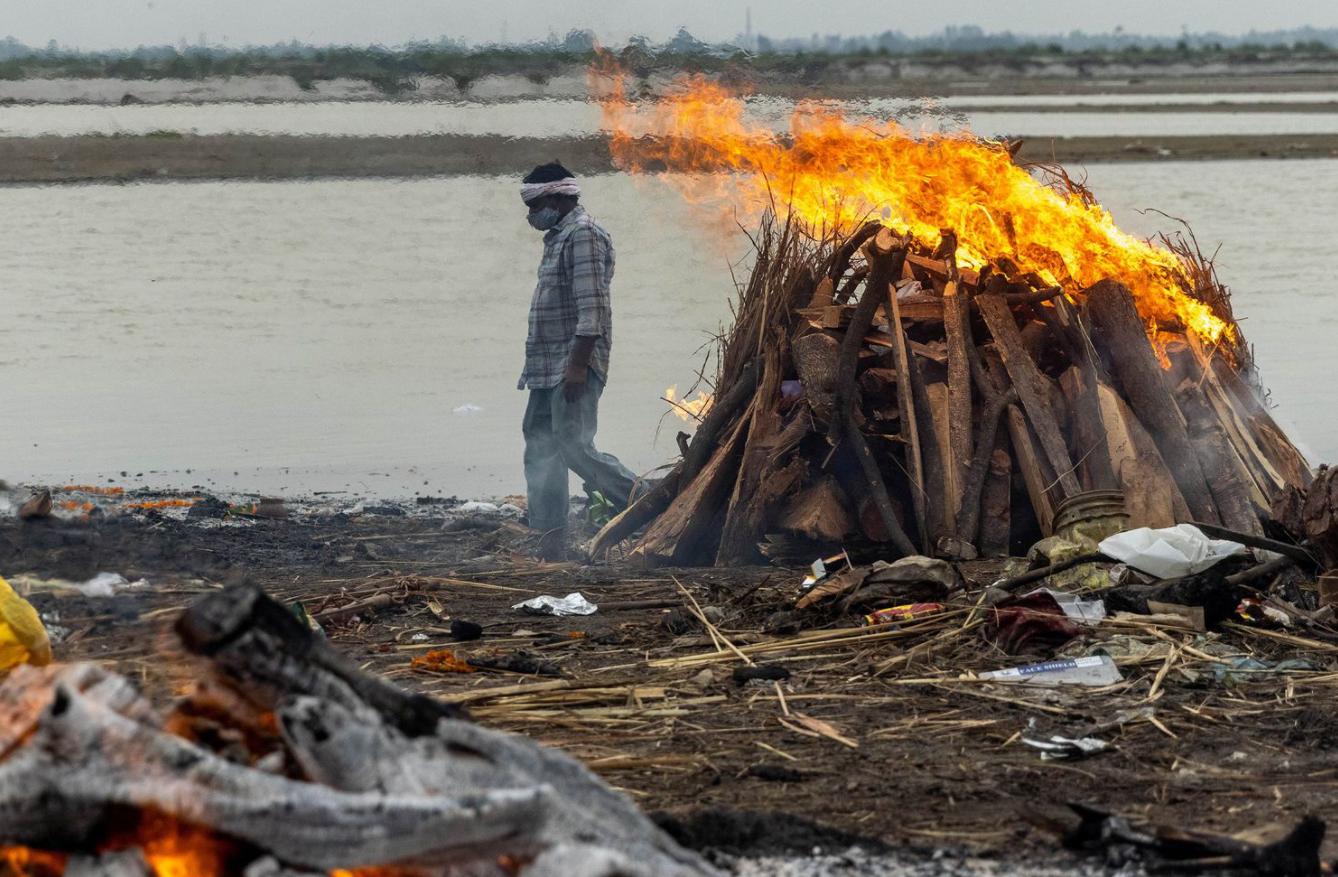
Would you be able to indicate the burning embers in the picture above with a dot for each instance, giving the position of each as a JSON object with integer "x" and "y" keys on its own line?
{"x": 300, "y": 765}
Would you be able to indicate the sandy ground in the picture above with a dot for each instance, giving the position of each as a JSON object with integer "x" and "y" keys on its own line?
{"x": 911, "y": 763}
{"x": 189, "y": 157}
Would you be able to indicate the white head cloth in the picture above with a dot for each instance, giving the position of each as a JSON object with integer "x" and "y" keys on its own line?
{"x": 531, "y": 191}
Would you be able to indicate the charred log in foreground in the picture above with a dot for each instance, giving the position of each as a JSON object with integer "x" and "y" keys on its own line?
{"x": 373, "y": 784}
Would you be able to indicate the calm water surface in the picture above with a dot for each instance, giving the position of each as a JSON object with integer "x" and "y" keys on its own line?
{"x": 554, "y": 118}
{"x": 366, "y": 335}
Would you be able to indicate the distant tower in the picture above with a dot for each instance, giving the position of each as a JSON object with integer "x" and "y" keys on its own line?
{"x": 748, "y": 29}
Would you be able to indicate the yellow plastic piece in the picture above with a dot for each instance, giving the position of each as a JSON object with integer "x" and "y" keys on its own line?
{"x": 23, "y": 639}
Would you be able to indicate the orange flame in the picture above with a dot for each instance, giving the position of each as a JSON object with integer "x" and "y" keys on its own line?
{"x": 833, "y": 173}
{"x": 688, "y": 409}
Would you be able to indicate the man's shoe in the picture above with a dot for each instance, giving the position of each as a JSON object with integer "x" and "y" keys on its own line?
{"x": 552, "y": 546}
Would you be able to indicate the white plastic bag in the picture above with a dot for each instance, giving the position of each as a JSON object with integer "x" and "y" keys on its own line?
{"x": 572, "y": 604}
{"x": 1170, "y": 552}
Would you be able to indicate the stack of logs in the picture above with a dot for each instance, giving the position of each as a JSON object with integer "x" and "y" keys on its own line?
{"x": 872, "y": 391}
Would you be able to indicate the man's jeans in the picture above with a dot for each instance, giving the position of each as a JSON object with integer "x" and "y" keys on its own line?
{"x": 561, "y": 437}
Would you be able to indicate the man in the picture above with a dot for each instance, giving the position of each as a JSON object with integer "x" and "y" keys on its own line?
{"x": 566, "y": 356}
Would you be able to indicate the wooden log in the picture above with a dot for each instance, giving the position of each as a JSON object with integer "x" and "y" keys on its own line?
{"x": 967, "y": 526}
{"x": 949, "y": 500}
{"x": 957, "y": 326}
{"x": 1319, "y": 516}
{"x": 932, "y": 462}
{"x": 1029, "y": 457}
{"x": 1228, "y": 480}
{"x": 885, "y": 259}
{"x": 1151, "y": 496}
{"x": 910, "y": 427}
{"x": 1031, "y": 389}
{"x": 823, "y": 294}
{"x": 1143, "y": 385}
{"x": 820, "y": 512}
{"x": 1090, "y": 446}
{"x": 996, "y": 502}
{"x": 358, "y": 748}
{"x": 815, "y": 357}
{"x": 687, "y": 533}
{"x": 746, "y": 516}
{"x": 1273, "y": 461}
{"x": 80, "y": 761}
{"x": 876, "y": 488}
{"x": 259, "y": 649}
{"x": 844, "y": 253}
{"x": 658, "y": 498}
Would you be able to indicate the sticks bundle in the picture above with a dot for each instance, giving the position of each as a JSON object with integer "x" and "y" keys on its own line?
{"x": 870, "y": 392}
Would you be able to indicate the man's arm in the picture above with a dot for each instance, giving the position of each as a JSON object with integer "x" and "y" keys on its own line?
{"x": 587, "y": 251}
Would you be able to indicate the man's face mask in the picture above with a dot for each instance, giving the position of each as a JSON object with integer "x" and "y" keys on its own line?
{"x": 544, "y": 218}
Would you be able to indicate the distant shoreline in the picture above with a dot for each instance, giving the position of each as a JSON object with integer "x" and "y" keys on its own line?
{"x": 256, "y": 157}
{"x": 873, "y": 80}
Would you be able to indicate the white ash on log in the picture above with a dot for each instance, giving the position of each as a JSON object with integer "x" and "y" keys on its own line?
{"x": 377, "y": 778}
{"x": 932, "y": 396}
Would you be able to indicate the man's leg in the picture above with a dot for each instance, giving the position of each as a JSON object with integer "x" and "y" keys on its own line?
{"x": 545, "y": 468}
{"x": 576, "y": 424}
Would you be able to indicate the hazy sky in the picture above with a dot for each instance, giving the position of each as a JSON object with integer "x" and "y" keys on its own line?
{"x": 108, "y": 23}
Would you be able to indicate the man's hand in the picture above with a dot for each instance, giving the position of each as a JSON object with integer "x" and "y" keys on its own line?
{"x": 578, "y": 367}
{"x": 573, "y": 382}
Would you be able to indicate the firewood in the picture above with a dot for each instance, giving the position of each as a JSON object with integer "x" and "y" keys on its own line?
{"x": 1228, "y": 480}
{"x": 932, "y": 464}
{"x": 658, "y": 498}
{"x": 746, "y": 516}
{"x": 967, "y": 525}
{"x": 1151, "y": 496}
{"x": 885, "y": 257}
{"x": 79, "y": 758}
{"x": 1144, "y": 386}
{"x": 850, "y": 246}
{"x": 819, "y": 512}
{"x": 996, "y": 502}
{"x": 1272, "y": 460}
{"x": 1031, "y": 389}
{"x": 957, "y": 325}
{"x": 815, "y": 357}
{"x": 1090, "y": 446}
{"x": 823, "y": 293}
{"x": 123, "y": 863}
{"x": 941, "y": 420}
{"x": 1028, "y": 456}
{"x": 255, "y": 646}
{"x": 689, "y": 529}
{"x": 358, "y": 747}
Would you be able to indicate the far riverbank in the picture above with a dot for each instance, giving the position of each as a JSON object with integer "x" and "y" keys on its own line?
{"x": 244, "y": 156}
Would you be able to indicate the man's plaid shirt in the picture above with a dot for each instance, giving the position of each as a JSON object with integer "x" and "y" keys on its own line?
{"x": 570, "y": 299}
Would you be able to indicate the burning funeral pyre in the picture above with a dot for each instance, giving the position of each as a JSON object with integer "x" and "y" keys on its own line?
{"x": 941, "y": 352}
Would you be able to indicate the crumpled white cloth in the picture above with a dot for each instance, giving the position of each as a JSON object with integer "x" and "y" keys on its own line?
{"x": 1169, "y": 552}
{"x": 572, "y": 604}
{"x": 530, "y": 191}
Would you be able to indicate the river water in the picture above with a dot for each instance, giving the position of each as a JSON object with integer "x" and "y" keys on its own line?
{"x": 563, "y": 118}
{"x": 366, "y": 335}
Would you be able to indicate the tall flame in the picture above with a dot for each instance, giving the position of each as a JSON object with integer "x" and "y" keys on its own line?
{"x": 833, "y": 173}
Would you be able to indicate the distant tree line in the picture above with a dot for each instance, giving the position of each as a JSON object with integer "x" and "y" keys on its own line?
{"x": 394, "y": 69}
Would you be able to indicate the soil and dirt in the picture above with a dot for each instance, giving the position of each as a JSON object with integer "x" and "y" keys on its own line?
{"x": 246, "y": 156}
{"x": 915, "y": 759}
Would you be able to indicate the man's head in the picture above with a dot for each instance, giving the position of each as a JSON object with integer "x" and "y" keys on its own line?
{"x": 549, "y": 192}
